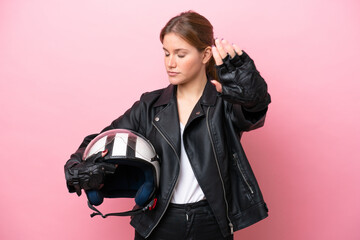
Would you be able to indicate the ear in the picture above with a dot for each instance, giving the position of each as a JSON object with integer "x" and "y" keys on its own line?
{"x": 207, "y": 54}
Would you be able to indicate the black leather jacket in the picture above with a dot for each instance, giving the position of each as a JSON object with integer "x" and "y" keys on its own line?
{"x": 212, "y": 143}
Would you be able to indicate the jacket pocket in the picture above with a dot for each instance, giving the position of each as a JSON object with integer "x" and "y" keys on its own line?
{"x": 243, "y": 176}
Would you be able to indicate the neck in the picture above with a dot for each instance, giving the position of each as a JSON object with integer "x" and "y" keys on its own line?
{"x": 192, "y": 89}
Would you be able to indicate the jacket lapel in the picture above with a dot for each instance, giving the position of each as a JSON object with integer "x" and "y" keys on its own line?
{"x": 208, "y": 98}
{"x": 167, "y": 119}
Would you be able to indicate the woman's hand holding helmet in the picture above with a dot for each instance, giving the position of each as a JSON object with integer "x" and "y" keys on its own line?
{"x": 89, "y": 174}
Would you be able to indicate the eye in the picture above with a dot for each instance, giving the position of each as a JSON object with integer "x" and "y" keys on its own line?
{"x": 167, "y": 54}
{"x": 181, "y": 55}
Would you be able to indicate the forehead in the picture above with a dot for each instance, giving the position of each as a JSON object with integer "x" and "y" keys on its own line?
{"x": 173, "y": 42}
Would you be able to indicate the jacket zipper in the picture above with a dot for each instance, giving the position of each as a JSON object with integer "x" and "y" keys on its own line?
{"x": 172, "y": 192}
{"x": 242, "y": 173}
{"x": 217, "y": 164}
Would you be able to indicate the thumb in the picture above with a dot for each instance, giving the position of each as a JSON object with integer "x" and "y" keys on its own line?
{"x": 217, "y": 85}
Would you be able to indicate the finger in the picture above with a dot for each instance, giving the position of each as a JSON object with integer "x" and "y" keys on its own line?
{"x": 103, "y": 153}
{"x": 216, "y": 56}
{"x": 228, "y": 48}
{"x": 220, "y": 48}
{"x": 237, "y": 49}
{"x": 217, "y": 85}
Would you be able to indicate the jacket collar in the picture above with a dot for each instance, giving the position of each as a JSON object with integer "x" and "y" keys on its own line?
{"x": 167, "y": 119}
{"x": 208, "y": 97}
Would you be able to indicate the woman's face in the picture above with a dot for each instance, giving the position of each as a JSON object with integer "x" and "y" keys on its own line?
{"x": 183, "y": 62}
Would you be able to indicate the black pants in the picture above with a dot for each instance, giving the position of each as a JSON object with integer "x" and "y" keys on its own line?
{"x": 193, "y": 221}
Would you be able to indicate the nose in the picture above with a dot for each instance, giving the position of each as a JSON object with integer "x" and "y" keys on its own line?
{"x": 171, "y": 62}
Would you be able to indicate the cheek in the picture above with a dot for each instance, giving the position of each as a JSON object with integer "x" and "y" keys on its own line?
{"x": 191, "y": 65}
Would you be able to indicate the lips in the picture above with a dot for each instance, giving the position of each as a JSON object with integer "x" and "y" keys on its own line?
{"x": 172, "y": 74}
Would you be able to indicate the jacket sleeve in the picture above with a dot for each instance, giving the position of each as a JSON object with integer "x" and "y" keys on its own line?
{"x": 244, "y": 91}
{"x": 129, "y": 120}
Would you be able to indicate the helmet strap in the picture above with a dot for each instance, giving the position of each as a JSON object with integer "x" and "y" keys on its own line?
{"x": 149, "y": 206}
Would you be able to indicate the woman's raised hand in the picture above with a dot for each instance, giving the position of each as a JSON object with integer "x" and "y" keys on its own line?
{"x": 220, "y": 51}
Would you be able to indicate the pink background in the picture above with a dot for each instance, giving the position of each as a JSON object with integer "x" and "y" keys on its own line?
{"x": 68, "y": 68}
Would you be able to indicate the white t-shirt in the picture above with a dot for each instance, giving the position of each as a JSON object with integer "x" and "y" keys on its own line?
{"x": 187, "y": 189}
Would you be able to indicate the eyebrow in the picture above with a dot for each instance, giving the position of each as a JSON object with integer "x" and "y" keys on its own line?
{"x": 177, "y": 49}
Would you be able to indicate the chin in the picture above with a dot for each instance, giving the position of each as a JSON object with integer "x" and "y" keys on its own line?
{"x": 176, "y": 81}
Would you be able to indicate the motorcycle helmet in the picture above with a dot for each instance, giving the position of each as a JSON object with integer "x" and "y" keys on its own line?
{"x": 136, "y": 175}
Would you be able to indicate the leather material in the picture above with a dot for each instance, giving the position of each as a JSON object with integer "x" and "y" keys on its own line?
{"x": 212, "y": 142}
{"x": 88, "y": 174}
{"x": 242, "y": 83}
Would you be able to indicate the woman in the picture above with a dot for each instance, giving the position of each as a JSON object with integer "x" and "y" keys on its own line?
{"x": 207, "y": 188}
